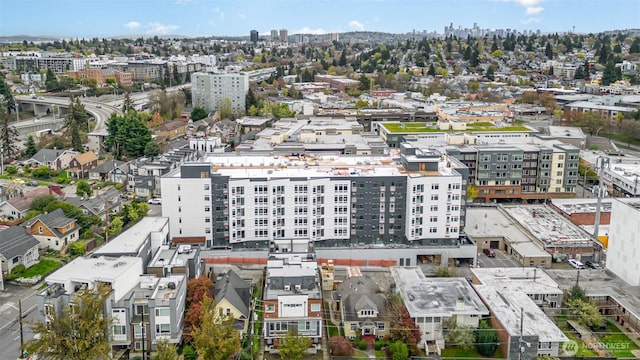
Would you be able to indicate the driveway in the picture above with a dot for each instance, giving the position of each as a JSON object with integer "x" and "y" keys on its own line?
{"x": 501, "y": 260}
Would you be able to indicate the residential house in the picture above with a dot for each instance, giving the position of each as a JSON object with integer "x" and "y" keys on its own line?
{"x": 80, "y": 166}
{"x": 114, "y": 171}
{"x": 158, "y": 304}
{"x": 52, "y": 158}
{"x": 101, "y": 205}
{"x": 226, "y": 129}
{"x": 17, "y": 207}
{"x": 233, "y": 297}
{"x": 362, "y": 306}
{"x": 171, "y": 129}
{"x": 254, "y": 123}
{"x": 53, "y": 230}
{"x": 17, "y": 247}
{"x": 292, "y": 299}
{"x": 433, "y": 303}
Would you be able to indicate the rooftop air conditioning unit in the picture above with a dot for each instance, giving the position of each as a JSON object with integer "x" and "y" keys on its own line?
{"x": 287, "y": 287}
{"x": 298, "y": 287}
{"x": 171, "y": 285}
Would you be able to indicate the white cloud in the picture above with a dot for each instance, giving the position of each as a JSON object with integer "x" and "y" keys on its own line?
{"x": 132, "y": 25}
{"x": 530, "y": 20}
{"x": 532, "y": 6}
{"x": 356, "y": 25}
{"x": 182, "y": 2}
{"x": 161, "y": 29}
{"x": 310, "y": 31}
{"x": 534, "y": 10}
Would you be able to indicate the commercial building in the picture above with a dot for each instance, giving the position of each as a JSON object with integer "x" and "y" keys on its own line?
{"x": 253, "y": 36}
{"x": 284, "y": 35}
{"x": 393, "y": 205}
{"x": 209, "y": 89}
{"x": 434, "y": 302}
{"x": 624, "y": 244}
{"x": 292, "y": 299}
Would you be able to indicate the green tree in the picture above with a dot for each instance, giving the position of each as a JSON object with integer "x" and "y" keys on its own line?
{"x": 51, "y": 81}
{"x": 589, "y": 121}
{"x": 445, "y": 271}
{"x": 189, "y": 353}
{"x": 293, "y": 346}
{"x": 128, "y": 135}
{"x": 198, "y": 113}
{"x": 548, "y": 51}
{"x": 165, "y": 350}
{"x": 576, "y": 293}
{"x": 152, "y": 149}
{"x": 142, "y": 209}
{"x": 127, "y": 103}
{"x": 399, "y": 351}
{"x": 77, "y": 332}
{"x": 609, "y": 74}
{"x": 486, "y": 338}
{"x": 8, "y": 134}
{"x": 432, "y": 70}
{"x": 635, "y": 46}
{"x": 361, "y": 104}
{"x": 587, "y": 313}
{"x": 115, "y": 226}
{"x": 83, "y": 188}
{"x": 215, "y": 338}
{"x": 75, "y": 122}
{"x": 225, "y": 108}
{"x": 31, "y": 147}
{"x": 459, "y": 335}
{"x": 365, "y": 83}
{"x": 630, "y": 130}
{"x": 490, "y": 74}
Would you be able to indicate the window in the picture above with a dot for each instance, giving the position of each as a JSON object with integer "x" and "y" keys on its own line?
{"x": 270, "y": 308}
{"x": 315, "y": 307}
{"x": 142, "y": 309}
{"x": 119, "y": 330}
{"x": 163, "y": 328}
{"x": 206, "y": 187}
{"x": 163, "y": 311}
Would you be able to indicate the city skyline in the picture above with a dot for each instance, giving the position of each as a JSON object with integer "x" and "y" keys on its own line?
{"x": 237, "y": 18}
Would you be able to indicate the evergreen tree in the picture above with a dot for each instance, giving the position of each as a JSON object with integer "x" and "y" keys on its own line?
{"x": 490, "y": 75}
{"x": 604, "y": 54}
{"x": 609, "y": 73}
{"x": 343, "y": 58}
{"x": 548, "y": 51}
{"x": 432, "y": 70}
{"x": 635, "y": 46}
{"x": 30, "y": 147}
{"x": 51, "y": 81}
{"x": 75, "y": 122}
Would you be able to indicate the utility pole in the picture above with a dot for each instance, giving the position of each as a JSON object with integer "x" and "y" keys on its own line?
{"x": 601, "y": 162}
{"x": 20, "y": 321}
{"x": 520, "y": 347}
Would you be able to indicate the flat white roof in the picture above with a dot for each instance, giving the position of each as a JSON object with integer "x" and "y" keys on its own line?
{"x": 88, "y": 270}
{"x": 531, "y": 281}
{"x": 512, "y": 308}
{"x": 443, "y": 297}
{"x": 131, "y": 240}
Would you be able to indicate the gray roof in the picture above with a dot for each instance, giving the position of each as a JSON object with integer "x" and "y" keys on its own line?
{"x": 236, "y": 291}
{"x": 107, "y": 166}
{"x": 15, "y": 241}
{"x": 45, "y": 155}
{"x": 361, "y": 293}
{"x": 53, "y": 220}
{"x": 96, "y": 204}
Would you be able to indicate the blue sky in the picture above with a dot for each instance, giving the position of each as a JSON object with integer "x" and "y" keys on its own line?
{"x": 105, "y": 18}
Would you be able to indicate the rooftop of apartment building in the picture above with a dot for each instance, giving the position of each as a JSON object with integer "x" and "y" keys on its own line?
{"x": 131, "y": 239}
{"x": 170, "y": 257}
{"x": 157, "y": 288}
{"x": 566, "y": 132}
{"x": 432, "y": 127}
{"x": 291, "y": 274}
{"x": 518, "y": 314}
{"x": 529, "y": 280}
{"x": 548, "y": 226}
{"x": 441, "y": 297}
{"x": 581, "y": 206}
{"x": 487, "y": 222}
{"x": 311, "y": 166}
{"x": 600, "y": 283}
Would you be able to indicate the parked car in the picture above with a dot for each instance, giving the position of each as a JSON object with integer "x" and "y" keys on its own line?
{"x": 98, "y": 106}
{"x": 576, "y": 264}
{"x": 489, "y": 252}
{"x": 592, "y": 265}
{"x": 32, "y": 183}
{"x": 155, "y": 201}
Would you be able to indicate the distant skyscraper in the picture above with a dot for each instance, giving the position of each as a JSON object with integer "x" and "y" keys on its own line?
{"x": 254, "y": 35}
{"x": 335, "y": 37}
{"x": 208, "y": 89}
{"x": 274, "y": 35}
{"x": 284, "y": 35}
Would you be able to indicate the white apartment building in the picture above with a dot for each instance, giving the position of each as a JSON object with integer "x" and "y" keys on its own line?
{"x": 234, "y": 199}
{"x": 623, "y": 251}
{"x": 209, "y": 89}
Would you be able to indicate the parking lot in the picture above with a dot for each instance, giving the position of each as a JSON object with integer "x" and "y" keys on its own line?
{"x": 501, "y": 260}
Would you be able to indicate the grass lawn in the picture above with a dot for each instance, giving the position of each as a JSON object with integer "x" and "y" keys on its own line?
{"x": 583, "y": 350}
{"x": 333, "y": 329}
{"x": 480, "y": 123}
{"x": 456, "y": 352}
{"x": 44, "y": 267}
{"x": 617, "y": 342}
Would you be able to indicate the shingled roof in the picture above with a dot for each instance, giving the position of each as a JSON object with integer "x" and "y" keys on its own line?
{"x": 15, "y": 241}
{"x": 53, "y": 220}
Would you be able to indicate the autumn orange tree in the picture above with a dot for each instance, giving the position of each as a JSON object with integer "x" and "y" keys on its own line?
{"x": 197, "y": 290}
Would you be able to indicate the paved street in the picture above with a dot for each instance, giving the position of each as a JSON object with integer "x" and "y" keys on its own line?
{"x": 9, "y": 326}
{"x": 501, "y": 260}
